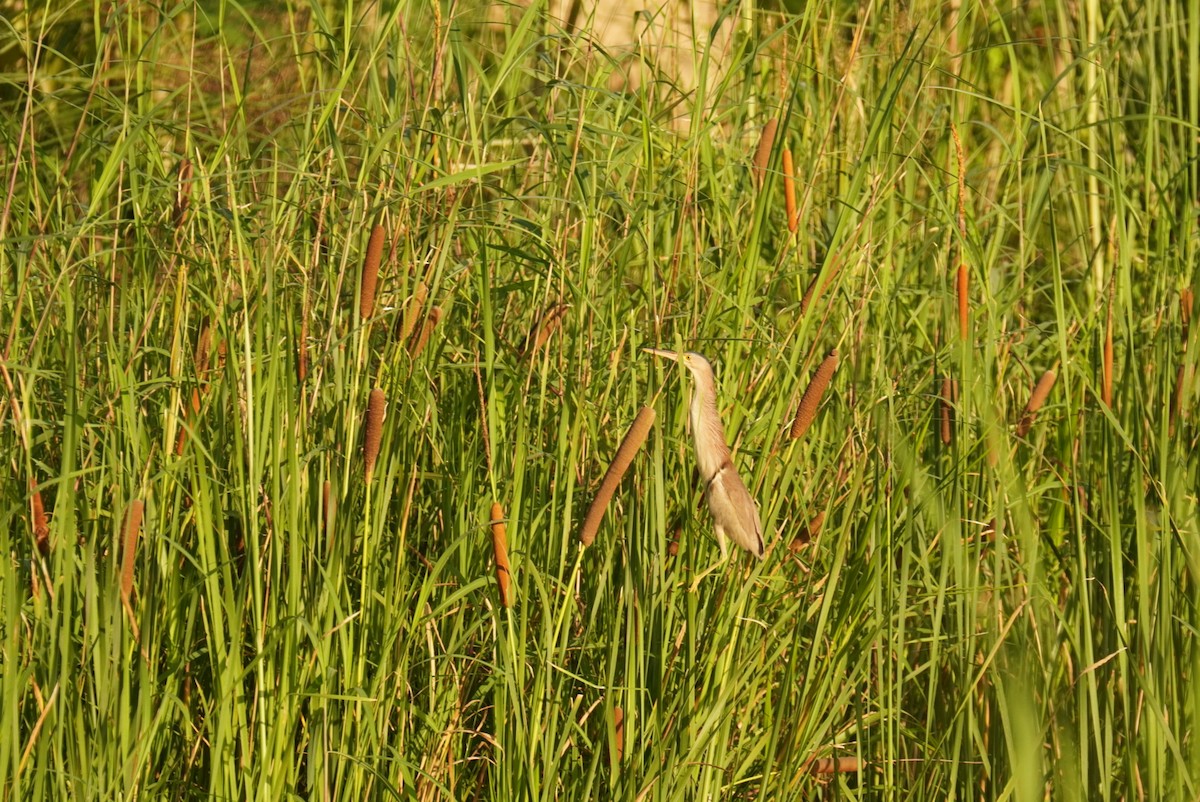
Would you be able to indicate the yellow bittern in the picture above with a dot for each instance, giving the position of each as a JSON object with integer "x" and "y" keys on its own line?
{"x": 734, "y": 513}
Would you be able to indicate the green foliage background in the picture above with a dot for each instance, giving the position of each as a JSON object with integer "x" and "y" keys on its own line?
{"x": 1001, "y": 616}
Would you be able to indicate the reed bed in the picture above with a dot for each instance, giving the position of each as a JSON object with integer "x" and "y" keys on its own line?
{"x": 990, "y": 618}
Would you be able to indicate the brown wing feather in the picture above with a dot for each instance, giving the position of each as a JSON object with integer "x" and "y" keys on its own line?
{"x": 734, "y": 510}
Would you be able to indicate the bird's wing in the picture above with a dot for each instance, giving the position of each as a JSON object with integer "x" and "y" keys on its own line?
{"x": 734, "y": 509}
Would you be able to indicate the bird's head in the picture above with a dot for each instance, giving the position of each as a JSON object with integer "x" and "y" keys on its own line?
{"x": 697, "y": 364}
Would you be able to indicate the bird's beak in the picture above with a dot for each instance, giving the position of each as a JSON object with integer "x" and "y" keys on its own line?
{"x": 662, "y": 352}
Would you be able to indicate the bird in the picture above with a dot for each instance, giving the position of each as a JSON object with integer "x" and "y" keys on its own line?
{"x": 735, "y": 515}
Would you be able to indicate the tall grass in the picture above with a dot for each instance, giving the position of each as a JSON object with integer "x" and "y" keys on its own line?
{"x": 968, "y": 613}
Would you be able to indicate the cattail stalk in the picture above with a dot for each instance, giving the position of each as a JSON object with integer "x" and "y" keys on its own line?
{"x": 762, "y": 156}
{"x": 417, "y": 345}
{"x": 133, "y": 526}
{"x": 616, "y": 471}
{"x": 370, "y": 273}
{"x": 789, "y": 191}
{"x": 811, "y": 399}
{"x": 376, "y": 405}
{"x": 500, "y": 552}
{"x": 41, "y": 528}
{"x": 1041, "y": 392}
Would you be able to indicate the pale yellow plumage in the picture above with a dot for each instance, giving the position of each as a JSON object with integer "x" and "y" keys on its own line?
{"x": 735, "y": 515}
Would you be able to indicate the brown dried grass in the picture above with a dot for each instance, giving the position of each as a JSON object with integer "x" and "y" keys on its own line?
{"x": 634, "y": 438}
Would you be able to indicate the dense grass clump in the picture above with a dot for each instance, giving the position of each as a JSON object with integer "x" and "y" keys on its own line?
{"x": 233, "y": 235}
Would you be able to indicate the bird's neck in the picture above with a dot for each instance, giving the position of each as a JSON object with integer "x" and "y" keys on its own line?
{"x": 711, "y": 450}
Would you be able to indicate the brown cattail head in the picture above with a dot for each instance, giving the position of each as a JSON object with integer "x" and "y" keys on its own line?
{"x": 370, "y": 273}
{"x": 549, "y": 323}
{"x": 1185, "y": 310}
{"x": 41, "y": 528}
{"x": 412, "y": 311}
{"x": 762, "y": 156}
{"x": 616, "y": 471}
{"x": 964, "y": 301}
{"x": 133, "y": 525}
{"x": 417, "y": 345}
{"x": 619, "y": 732}
{"x": 327, "y": 508}
{"x": 1107, "y": 379}
{"x": 834, "y": 765}
{"x": 1181, "y": 374}
{"x": 376, "y": 405}
{"x": 500, "y": 552}
{"x": 812, "y": 395}
{"x": 789, "y": 191}
{"x": 947, "y": 398}
{"x": 808, "y": 533}
{"x": 1041, "y": 391}
{"x": 183, "y": 192}
{"x": 200, "y": 362}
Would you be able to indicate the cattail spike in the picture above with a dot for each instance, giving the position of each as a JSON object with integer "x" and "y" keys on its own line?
{"x": 500, "y": 552}
{"x": 946, "y": 400}
{"x": 812, "y": 395}
{"x": 616, "y": 471}
{"x": 376, "y": 405}
{"x": 619, "y": 732}
{"x": 789, "y": 191}
{"x": 412, "y": 312}
{"x": 1041, "y": 392}
{"x": 421, "y": 340}
{"x": 133, "y": 525}
{"x": 370, "y": 273}
{"x": 762, "y": 156}
{"x": 964, "y": 301}
{"x": 41, "y": 528}
{"x": 1106, "y": 385}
